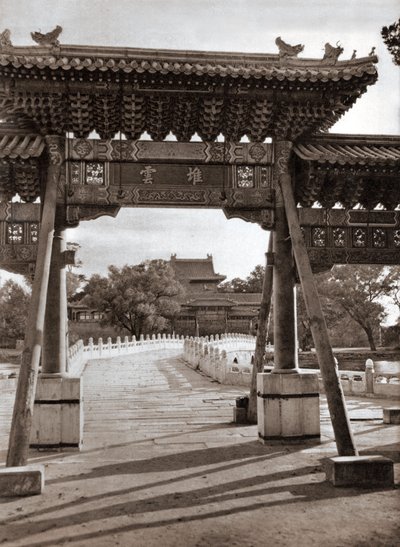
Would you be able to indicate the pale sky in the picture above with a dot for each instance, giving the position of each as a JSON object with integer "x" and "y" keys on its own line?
{"x": 224, "y": 25}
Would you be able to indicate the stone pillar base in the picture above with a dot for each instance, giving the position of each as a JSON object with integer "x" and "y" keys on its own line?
{"x": 391, "y": 415}
{"x": 21, "y": 481}
{"x": 58, "y": 413}
{"x": 288, "y": 407}
{"x": 365, "y": 471}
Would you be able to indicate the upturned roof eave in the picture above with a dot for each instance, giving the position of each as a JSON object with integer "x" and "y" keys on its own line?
{"x": 66, "y": 57}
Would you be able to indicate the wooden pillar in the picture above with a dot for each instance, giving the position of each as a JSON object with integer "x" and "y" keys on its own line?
{"x": 285, "y": 351}
{"x": 334, "y": 393}
{"x": 26, "y": 387}
{"x": 265, "y": 307}
{"x": 287, "y": 399}
{"x": 55, "y": 343}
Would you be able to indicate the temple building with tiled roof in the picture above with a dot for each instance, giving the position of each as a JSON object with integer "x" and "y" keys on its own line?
{"x": 204, "y": 309}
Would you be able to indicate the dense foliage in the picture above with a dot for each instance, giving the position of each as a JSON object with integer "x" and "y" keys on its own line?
{"x": 14, "y": 303}
{"x": 141, "y": 298}
{"x": 348, "y": 293}
{"x": 252, "y": 283}
{"x": 391, "y": 37}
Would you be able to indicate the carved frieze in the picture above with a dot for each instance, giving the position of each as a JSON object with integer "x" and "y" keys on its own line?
{"x": 167, "y": 151}
{"x": 325, "y": 258}
{"x": 348, "y": 217}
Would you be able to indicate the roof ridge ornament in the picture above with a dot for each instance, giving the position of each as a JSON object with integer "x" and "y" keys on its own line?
{"x": 5, "y": 39}
{"x": 286, "y": 50}
{"x": 48, "y": 39}
{"x": 332, "y": 53}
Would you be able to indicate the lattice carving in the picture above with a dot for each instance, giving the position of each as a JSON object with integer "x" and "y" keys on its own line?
{"x": 339, "y": 237}
{"x": 359, "y": 237}
{"x": 319, "y": 237}
{"x": 379, "y": 238}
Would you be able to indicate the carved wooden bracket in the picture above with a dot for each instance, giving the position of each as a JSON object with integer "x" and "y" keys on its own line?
{"x": 263, "y": 217}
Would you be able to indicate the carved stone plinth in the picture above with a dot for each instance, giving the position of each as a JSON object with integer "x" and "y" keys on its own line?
{"x": 288, "y": 407}
{"x": 58, "y": 413}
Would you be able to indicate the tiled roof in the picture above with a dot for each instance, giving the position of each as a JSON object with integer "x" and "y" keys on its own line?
{"x": 344, "y": 149}
{"x": 348, "y": 169}
{"x": 195, "y": 269}
{"x": 83, "y": 88}
{"x": 134, "y": 60}
{"x": 213, "y": 297}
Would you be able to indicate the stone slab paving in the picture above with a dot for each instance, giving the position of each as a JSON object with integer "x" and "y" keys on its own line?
{"x": 163, "y": 464}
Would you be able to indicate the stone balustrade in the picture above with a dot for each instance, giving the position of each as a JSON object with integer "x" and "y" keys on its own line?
{"x": 226, "y": 358}
{"x": 370, "y": 383}
{"x": 79, "y": 354}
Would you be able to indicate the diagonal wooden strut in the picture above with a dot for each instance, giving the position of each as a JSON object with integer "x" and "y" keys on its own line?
{"x": 265, "y": 308}
{"x": 25, "y": 396}
{"x": 334, "y": 393}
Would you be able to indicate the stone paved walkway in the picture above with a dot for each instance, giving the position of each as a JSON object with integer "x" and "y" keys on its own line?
{"x": 163, "y": 464}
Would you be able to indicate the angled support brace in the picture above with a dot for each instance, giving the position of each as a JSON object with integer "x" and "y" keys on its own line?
{"x": 26, "y": 388}
{"x": 265, "y": 308}
{"x": 334, "y": 393}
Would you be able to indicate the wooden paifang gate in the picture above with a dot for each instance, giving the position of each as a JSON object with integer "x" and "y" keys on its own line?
{"x": 50, "y": 91}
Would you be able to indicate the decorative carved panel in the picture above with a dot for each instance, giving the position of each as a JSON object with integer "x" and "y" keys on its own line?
{"x": 340, "y": 236}
{"x": 19, "y": 233}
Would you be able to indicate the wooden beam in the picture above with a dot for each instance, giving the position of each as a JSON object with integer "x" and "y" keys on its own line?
{"x": 265, "y": 308}
{"x": 334, "y": 393}
{"x": 26, "y": 388}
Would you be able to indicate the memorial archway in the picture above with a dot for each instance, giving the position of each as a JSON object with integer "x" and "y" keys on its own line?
{"x": 51, "y": 91}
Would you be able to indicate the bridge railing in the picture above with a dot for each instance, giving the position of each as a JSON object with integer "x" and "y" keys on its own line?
{"x": 229, "y": 361}
{"x": 226, "y": 358}
{"x": 79, "y": 354}
{"x": 239, "y": 347}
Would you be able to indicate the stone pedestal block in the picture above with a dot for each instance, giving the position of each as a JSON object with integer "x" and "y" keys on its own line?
{"x": 58, "y": 413}
{"x": 391, "y": 415}
{"x": 21, "y": 481}
{"x": 288, "y": 407}
{"x": 365, "y": 471}
{"x": 239, "y": 415}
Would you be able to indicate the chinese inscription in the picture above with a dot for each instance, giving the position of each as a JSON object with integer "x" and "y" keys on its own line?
{"x": 147, "y": 174}
{"x": 194, "y": 175}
